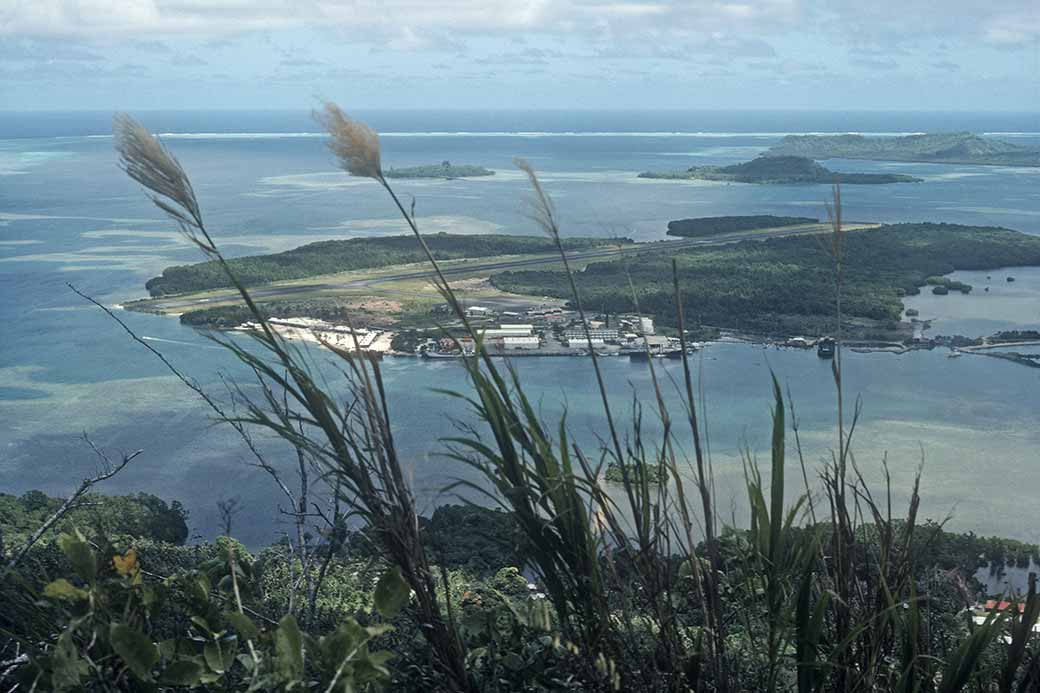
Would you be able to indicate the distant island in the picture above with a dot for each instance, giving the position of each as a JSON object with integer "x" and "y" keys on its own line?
{"x": 713, "y": 226}
{"x": 765, "y": 274}
{"x": 775, "y": 169}
{"x": 445, "y": 169}
{"x": 784, "y": 286}
{"x": 942, "y": 148}
{"x": 330, "y": 257}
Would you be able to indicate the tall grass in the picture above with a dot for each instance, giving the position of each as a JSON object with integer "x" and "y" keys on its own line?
{"x": 647, "y": 591}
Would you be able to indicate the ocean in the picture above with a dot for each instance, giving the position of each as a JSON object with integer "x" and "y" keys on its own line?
{"x": 267, "y": 183}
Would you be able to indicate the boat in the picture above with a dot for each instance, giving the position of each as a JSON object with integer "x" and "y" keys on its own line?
{"x": 954, "y": 355}
{"x": 825, "y": 348}
{"x": 428, "y": 353}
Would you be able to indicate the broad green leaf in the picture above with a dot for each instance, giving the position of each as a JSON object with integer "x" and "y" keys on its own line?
{"x": 63, "y": 589}
{"x": 173, "y": 648}
{"x": 513, "y": 661}
{"x": 80, "y": 555}
{"x": 67, "y": 669}
{"x": 392, "y": 592}
{"x": 242, "y": 624}
{"x": 214, "y": 655}
{"x": 379, "y": 629}
{"x": 201, "y": 623}
{"x": 135, "y": 648}
{"x": 207, "y": 677}
{"x": 183, "y": 672}
{"x": 289, "y": 650}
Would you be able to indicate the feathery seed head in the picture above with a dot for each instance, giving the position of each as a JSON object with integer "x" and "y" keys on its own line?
{"x": 542, "y": 209}
{"x": 355, "y": 144}
{"x": 148, "y": 162}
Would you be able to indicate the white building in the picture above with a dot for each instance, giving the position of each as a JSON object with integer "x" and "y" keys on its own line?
{"x": 602, "y": 334}
{"x": 508, "y": 331}
{"x": 477, "y": 311}
{"x": 582, "y": 342}
{"x": 521, "y": 343}
{"x": 646, "y": 325}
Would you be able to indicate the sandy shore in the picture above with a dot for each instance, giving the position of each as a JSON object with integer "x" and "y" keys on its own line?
{"x": 318, "y": 332}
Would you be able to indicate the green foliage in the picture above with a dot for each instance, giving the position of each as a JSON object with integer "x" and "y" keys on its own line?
{"x": 138, "y": 516}
{"x": 113, "y": 633}
{"x": 615, "y": 474}
{"x": 944, "y": 285}
{"x": 391, "y": 592}
{"x": 328, "y": 308}
{"x": 1016, "y": 336}
{"x": 329, "y": 257}
{"x": 712, "y": 226}
{"x": 967, "y": 552}
{"x": 136, "y": 649}
{"x": 479, "y": 540}
{"x": 785, "y": 285}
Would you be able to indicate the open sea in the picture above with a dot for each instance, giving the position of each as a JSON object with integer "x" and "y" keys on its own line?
{"x": 267, "y": 183}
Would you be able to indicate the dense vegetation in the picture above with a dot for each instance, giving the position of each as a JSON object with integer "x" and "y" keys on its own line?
{"x": 329, "y": 257}
{"x": 713, "y": 226}
{"x": 446, "y": 169}
{"x": 785, "y": 285}
{"x": 329, "y": 309}
{"x": 145, "y": 613}
{"x": 947, "y": 285}
{"x": 137, "y": 516}
{"x": 951, "y": 148}
{"x": 775, "y": 169}
{"x": 1016, "y": 336}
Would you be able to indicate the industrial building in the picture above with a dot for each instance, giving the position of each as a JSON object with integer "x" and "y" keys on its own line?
{"x": 603, "y": 334}
{"x": 513, "y": 343}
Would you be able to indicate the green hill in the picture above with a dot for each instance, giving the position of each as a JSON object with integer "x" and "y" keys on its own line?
{"x": 950, "y": 148}
{"x": 780, "y": 170}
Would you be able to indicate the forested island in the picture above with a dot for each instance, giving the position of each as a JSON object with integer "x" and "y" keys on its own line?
{"x": 779, "y": 170}
{"x": 329, "y": 257}
{"x": 445, "y": 169}
{"x": 713, "y": 226}
{"x": 940, "y": 148}
{"x": 785, "y": 286}
{"x": 779, "y": 286}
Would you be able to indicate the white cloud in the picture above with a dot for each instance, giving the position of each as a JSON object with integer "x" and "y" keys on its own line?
{"x": 151, "y": 18}
{"x": 416, "y": 24}
{"x": 999, "y": 22}
{"x": 1014, "y": 28}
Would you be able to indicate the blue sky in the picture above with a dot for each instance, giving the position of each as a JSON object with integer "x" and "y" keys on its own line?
{"x": 769, "y": 54}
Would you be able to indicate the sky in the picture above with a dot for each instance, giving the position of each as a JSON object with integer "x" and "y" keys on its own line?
{"x": 972, "y": 55}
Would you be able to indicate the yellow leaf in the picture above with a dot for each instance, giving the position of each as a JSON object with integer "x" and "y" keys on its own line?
{"x": 63, "y": 589}
{"x": 126, "y": 565}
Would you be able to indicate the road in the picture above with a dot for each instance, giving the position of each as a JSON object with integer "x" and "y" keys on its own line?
{"x": 999, "y": 345}
{"x": 180, "y": 304}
